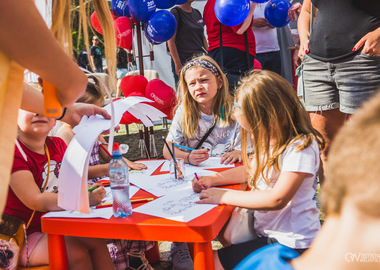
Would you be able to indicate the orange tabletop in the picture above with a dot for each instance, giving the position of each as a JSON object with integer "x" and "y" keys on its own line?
{"x": 200, "y": 231}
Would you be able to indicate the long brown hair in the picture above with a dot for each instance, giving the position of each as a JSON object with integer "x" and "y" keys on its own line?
{"x": 61, "y": 28}
{"x": 272, "y": 110}
{"x": 223, "y": 102}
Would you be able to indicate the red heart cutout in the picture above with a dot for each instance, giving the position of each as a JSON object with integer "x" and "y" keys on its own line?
{"x": 133, "y": 83}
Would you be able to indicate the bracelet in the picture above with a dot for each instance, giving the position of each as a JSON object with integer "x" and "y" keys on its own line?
{"x": 188, "y": 159}
{"x": 63, "y": 113}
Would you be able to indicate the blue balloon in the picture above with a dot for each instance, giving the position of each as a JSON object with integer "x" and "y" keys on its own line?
{"x": 276, "y": 12}
{"x": 142, "y": 9}
{"x": 120, "y": 8}
{"x": 165, "y": 4}
{"x": 161, "y": 26}
{"x": 259, "y": 1}
{"x": 231, "y": 12}
{"x": 148, "y": 37}
{"x": 180, "y": 2}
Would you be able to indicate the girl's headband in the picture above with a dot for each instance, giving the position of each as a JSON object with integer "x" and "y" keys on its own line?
{"x": 201, "y": 63}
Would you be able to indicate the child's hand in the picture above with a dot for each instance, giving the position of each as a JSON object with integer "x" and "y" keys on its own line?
{"x": 212, "y": 196}
{"x": 203, "y": 183}
{"x": 96, "y": 196}
{"x": 136, "y": 166}
{"x": 198, "y": 156}
{"x": 231, "y": 157}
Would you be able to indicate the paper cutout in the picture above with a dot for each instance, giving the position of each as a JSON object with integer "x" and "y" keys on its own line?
{"x": 72, "y": 181}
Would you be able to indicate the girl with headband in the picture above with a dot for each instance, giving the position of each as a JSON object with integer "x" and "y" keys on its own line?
{"x": 204, "y": 104}
{"x": 203, "y": 113}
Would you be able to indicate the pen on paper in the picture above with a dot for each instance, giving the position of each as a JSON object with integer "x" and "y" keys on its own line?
{"x": 199, "y": 183}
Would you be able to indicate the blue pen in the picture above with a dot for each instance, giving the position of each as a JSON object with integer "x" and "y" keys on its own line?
{"x": 184, "y": 147}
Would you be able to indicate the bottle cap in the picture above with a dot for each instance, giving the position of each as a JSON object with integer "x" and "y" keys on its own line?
{"x": 115, "y": 147}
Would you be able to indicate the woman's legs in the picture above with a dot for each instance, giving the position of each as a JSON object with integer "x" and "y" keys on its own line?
{"x": 328, "y": 124}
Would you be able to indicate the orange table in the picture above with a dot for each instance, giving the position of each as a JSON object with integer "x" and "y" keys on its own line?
{"x": 200, "y": 231}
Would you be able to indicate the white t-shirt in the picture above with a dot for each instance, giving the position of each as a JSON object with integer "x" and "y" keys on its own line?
{"x": 220, "y": 140}
{"x": 297, "y": 223}
{"x": 266, "y": 37}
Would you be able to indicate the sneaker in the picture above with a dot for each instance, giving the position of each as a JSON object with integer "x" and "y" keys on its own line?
{"x": 137, "y": 261}
{"x": 180, "y": 257}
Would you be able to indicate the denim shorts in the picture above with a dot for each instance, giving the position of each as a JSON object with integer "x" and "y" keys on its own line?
{"x": 343, "y": 84}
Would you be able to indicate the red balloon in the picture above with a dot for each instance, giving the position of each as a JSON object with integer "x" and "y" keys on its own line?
{"x": 96, "y": 23}
{"x": 161, "y": 93}
{"x": 123, "y": 32}
{"x": 257, "y": 64}
{"x": 169, "y": 113}
{"x": 133, "y": 83}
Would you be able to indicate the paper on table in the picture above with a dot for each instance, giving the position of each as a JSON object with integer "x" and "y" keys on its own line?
{"x": 160, "y": 185}
{"x": 72, "y": 179}
{"x": 211, "y": 163}
{"x": 179, "y": 206}
{"x": 152, "y": 165}
{"x": 106, "y": 213}
{"x": 109, "y": 199}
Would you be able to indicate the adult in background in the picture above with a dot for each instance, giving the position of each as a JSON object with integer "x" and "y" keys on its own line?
{"x": 189, "y": 38}
{"x": 232, "y": 58}
{"x": 96, "y": 56}
{"x": 341, "y": 60}
{"x": 121, "y": 63}
{"x": 267, "y": 47}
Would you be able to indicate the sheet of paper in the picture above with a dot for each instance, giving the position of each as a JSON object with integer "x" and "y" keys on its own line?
{"x": 94, "y": 213}
{"x": 179, "y": 206}
{"x": 160, "y": 185}
{"x": 211, "y": 163}
{"x": 72, "y": 179}
{"x": 109, "y": 199}
{"x": 151, "y": 164}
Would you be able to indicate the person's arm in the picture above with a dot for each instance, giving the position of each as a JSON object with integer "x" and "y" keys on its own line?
{"x": 231, "y": 157}
{"x": 194, "y": 157}
{"x": 26, "y": 189}
{"x": 37, "y": 50}
{"x": 92, "y": 62}
{"x": 205, "y": 44}
{"x": 236, "y": 175}
{"x": 247, "y": 22}
{"x": 274, "y": 199}
{"x": 174, "y": 54}
{"x": 304, "y": 27}
{"x": 370, "y": 43}
{"x": 294, "y": 11}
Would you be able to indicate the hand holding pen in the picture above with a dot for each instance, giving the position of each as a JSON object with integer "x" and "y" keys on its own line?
{"x": 201, "y": 183}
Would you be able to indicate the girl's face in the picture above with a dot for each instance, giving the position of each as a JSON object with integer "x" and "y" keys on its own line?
{"x": 240, "y": 117}
{"x": 32, "y": 123}
{"x": 203, "y": 85}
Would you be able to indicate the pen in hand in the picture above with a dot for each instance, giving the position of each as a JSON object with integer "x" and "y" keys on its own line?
{"x": 198, "y": 181}
{"x": 93, "y": 188}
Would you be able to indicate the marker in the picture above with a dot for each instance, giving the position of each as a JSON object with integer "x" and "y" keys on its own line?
{"x": 199, "y": 183}
{"x": 104, "y": 205}
{"x": 93, "y": 188}
{"x": 52, "y": 106}
{"x": 184, "y": 147}
{"x": 108, "y": 153}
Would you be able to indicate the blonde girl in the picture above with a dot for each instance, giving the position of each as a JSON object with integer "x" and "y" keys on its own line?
{"x": 204, "y": 101}
{"x": 282, "y": 171}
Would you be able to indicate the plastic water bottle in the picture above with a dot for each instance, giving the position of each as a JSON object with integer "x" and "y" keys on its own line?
{"x": 119, "y": 179}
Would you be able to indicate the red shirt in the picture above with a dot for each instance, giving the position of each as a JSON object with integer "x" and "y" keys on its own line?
{"x": 37, "y": 164}
{"x": 230, "y": 38}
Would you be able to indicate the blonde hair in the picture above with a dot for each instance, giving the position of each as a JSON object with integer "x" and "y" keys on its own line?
{"x": 353, "y": 163}
{"x": 61, "y": 28}
{"x": 272, "y": 110}
{"x": 223, "y": 102}
{"x": 93, "y": 94}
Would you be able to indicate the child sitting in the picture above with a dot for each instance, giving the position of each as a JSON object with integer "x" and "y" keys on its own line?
{"x": 33, "y": 187}
{"x": 282, "y": 171}
{"x": 203, "y": 119}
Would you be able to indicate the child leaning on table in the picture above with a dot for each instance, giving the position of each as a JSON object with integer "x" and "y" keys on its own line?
{"x": 37, "y": 161}
{"x": 204, "y": 100}
{"x": 282, "y": 171}
{"x": 120, "y": 250}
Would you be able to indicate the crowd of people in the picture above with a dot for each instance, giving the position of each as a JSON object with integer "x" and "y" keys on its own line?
{"x": 225, "y": 108}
